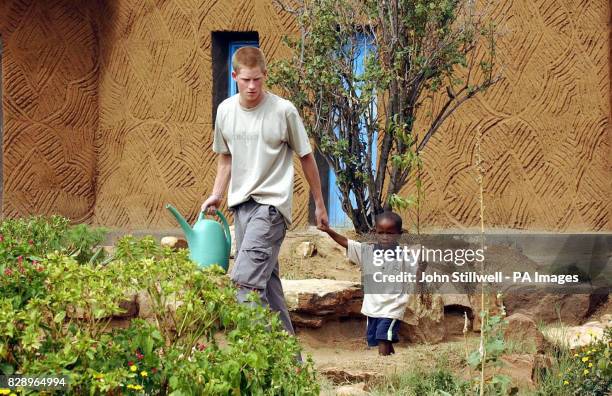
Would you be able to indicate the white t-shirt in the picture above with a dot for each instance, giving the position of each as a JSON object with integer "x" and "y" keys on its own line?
{"x": 390, "y": 306}
{"x": 261, "y": 141}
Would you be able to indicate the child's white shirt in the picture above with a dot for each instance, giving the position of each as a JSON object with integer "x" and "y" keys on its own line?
{"x": 379, "y": 305}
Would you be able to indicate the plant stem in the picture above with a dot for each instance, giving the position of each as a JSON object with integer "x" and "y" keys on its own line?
{"x": 483, "y": 309}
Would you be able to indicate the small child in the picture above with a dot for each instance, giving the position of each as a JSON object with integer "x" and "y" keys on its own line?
{"x": 383, "y": 311}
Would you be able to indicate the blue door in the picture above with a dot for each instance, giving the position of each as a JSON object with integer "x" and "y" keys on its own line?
{"x": 337, "y": 217}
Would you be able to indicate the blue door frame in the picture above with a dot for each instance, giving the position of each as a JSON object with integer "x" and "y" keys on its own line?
{"x": 337, "y": 217}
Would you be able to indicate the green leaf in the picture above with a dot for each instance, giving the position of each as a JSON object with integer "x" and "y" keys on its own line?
{"x": 7, "y": 369}
{"x": 148, "y": 346}
{"x": 474, "y": 358}
{"x": 59, "y": 317}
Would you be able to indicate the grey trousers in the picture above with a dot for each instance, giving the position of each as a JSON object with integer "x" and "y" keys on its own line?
{"x": 259, "y": 232}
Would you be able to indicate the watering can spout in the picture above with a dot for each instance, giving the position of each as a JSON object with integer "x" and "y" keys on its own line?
{"x": 181, "y": 220}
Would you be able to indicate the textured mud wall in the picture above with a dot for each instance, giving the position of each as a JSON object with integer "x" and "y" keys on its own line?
{"x": 155, "y": 134}
{"x": 108, "y": 130}
{"x": 49, "y": 67}
{"x": 545, "y": 128}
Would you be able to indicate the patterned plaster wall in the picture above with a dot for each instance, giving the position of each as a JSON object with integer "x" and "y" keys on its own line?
{"x": 108, "y": 114}
{"x": 155, "y": 134}
{"x": 50, "y": 107}
{"x": 545, "y": 128}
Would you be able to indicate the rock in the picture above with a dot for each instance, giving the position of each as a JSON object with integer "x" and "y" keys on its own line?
{"x": 523, "y": 330}
{"x": 306, "y": 249}
{"x": 462, "y": 300}
{"x": 427, "y": 331}
{"x": 424, "y": 319}
{"x": 491, "y": 302}
{"x": 351, "y": 390}
{"x": 571, "y": 309}
{"x": 174, "y": 242}
{"x": 323, "y": 297}
{"x": 342, "y": 376}
{"x": 522, "y": 368}
{"x": 130, "y": 306}
{"x": 306, "y": 320}
{"x": 577, "y": 336}
{"x": 146, "y": 309}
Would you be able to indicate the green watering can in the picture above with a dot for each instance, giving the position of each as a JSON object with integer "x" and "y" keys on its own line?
{"x": 209, "y": 242}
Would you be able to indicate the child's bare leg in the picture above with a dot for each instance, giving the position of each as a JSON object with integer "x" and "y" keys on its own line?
{"x": 385, "y": 348}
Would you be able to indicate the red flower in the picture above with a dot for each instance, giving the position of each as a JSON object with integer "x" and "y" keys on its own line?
{"x": 8, "y": 272}
{"x": 31, "y": 242}
{"x": 1, "y": 238}
{"x": 130, "y": 363}
{"x": 20, "y": 259}
{"x": 40, "y": 269}
{"x": 34, "y": 262}
{"x": 154, "y": 370}
{"x": 201, "y": 347}
{"x": 139, "y": 355}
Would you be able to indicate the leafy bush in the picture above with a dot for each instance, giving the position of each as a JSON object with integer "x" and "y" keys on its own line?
{"x": 586, "y": 371}
{"x": 36, "y": 236}
{"x": 56, "y": 318}
{"x": 439, "y": 382}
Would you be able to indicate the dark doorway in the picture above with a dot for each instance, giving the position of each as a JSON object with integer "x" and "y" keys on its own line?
{"x": 224, "y": 44}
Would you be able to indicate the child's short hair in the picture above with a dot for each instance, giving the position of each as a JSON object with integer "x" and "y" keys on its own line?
{"x": 392, "y": 216}
{"x": 248, "y": 57}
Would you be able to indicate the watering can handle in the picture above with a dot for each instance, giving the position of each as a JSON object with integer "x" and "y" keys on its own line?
{"x": 202, "y": 216}
{"x": 228, "y": 234}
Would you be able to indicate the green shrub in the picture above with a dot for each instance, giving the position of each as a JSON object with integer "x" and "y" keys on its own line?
{"x": 586, "y": 371}
{"x": 439, "y": 382}
{"x": 56, "y": 319}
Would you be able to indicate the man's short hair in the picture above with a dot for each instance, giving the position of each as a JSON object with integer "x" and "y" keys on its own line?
{"x": 248, "y": 57}
{"x": 392, "y": 216}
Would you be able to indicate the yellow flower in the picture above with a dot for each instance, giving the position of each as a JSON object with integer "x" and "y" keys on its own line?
{"x": 13, "y": 394}
{"x": 4, "y": 391}
{"x": 133, "y": 368}
{"x": 566, "y": 382}
{"x": 143, "y": 373}
{"x": 590, "y": 364}
{"x": 584, "y": 359}
{"x": 585, "y": 372}
{"x": 98, "y": 375}
{"x": 138, "y": 387}
{"x": 575, "y": 355}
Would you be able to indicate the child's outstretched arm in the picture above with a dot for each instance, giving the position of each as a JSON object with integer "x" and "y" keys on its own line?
{"x": 340, "y": 239}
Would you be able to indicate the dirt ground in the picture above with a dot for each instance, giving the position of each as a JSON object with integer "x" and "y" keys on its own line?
{"x": 342, "y": 344}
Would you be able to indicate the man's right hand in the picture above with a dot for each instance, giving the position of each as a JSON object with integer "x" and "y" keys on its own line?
{"x": 211, "y": 204}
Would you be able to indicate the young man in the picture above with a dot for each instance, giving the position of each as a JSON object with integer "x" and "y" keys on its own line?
{"x": 383, "y": 311}
{"x": 256, "y": 133}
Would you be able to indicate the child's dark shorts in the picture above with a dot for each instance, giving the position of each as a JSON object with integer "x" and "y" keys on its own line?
{"x": 382, "y": 329}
